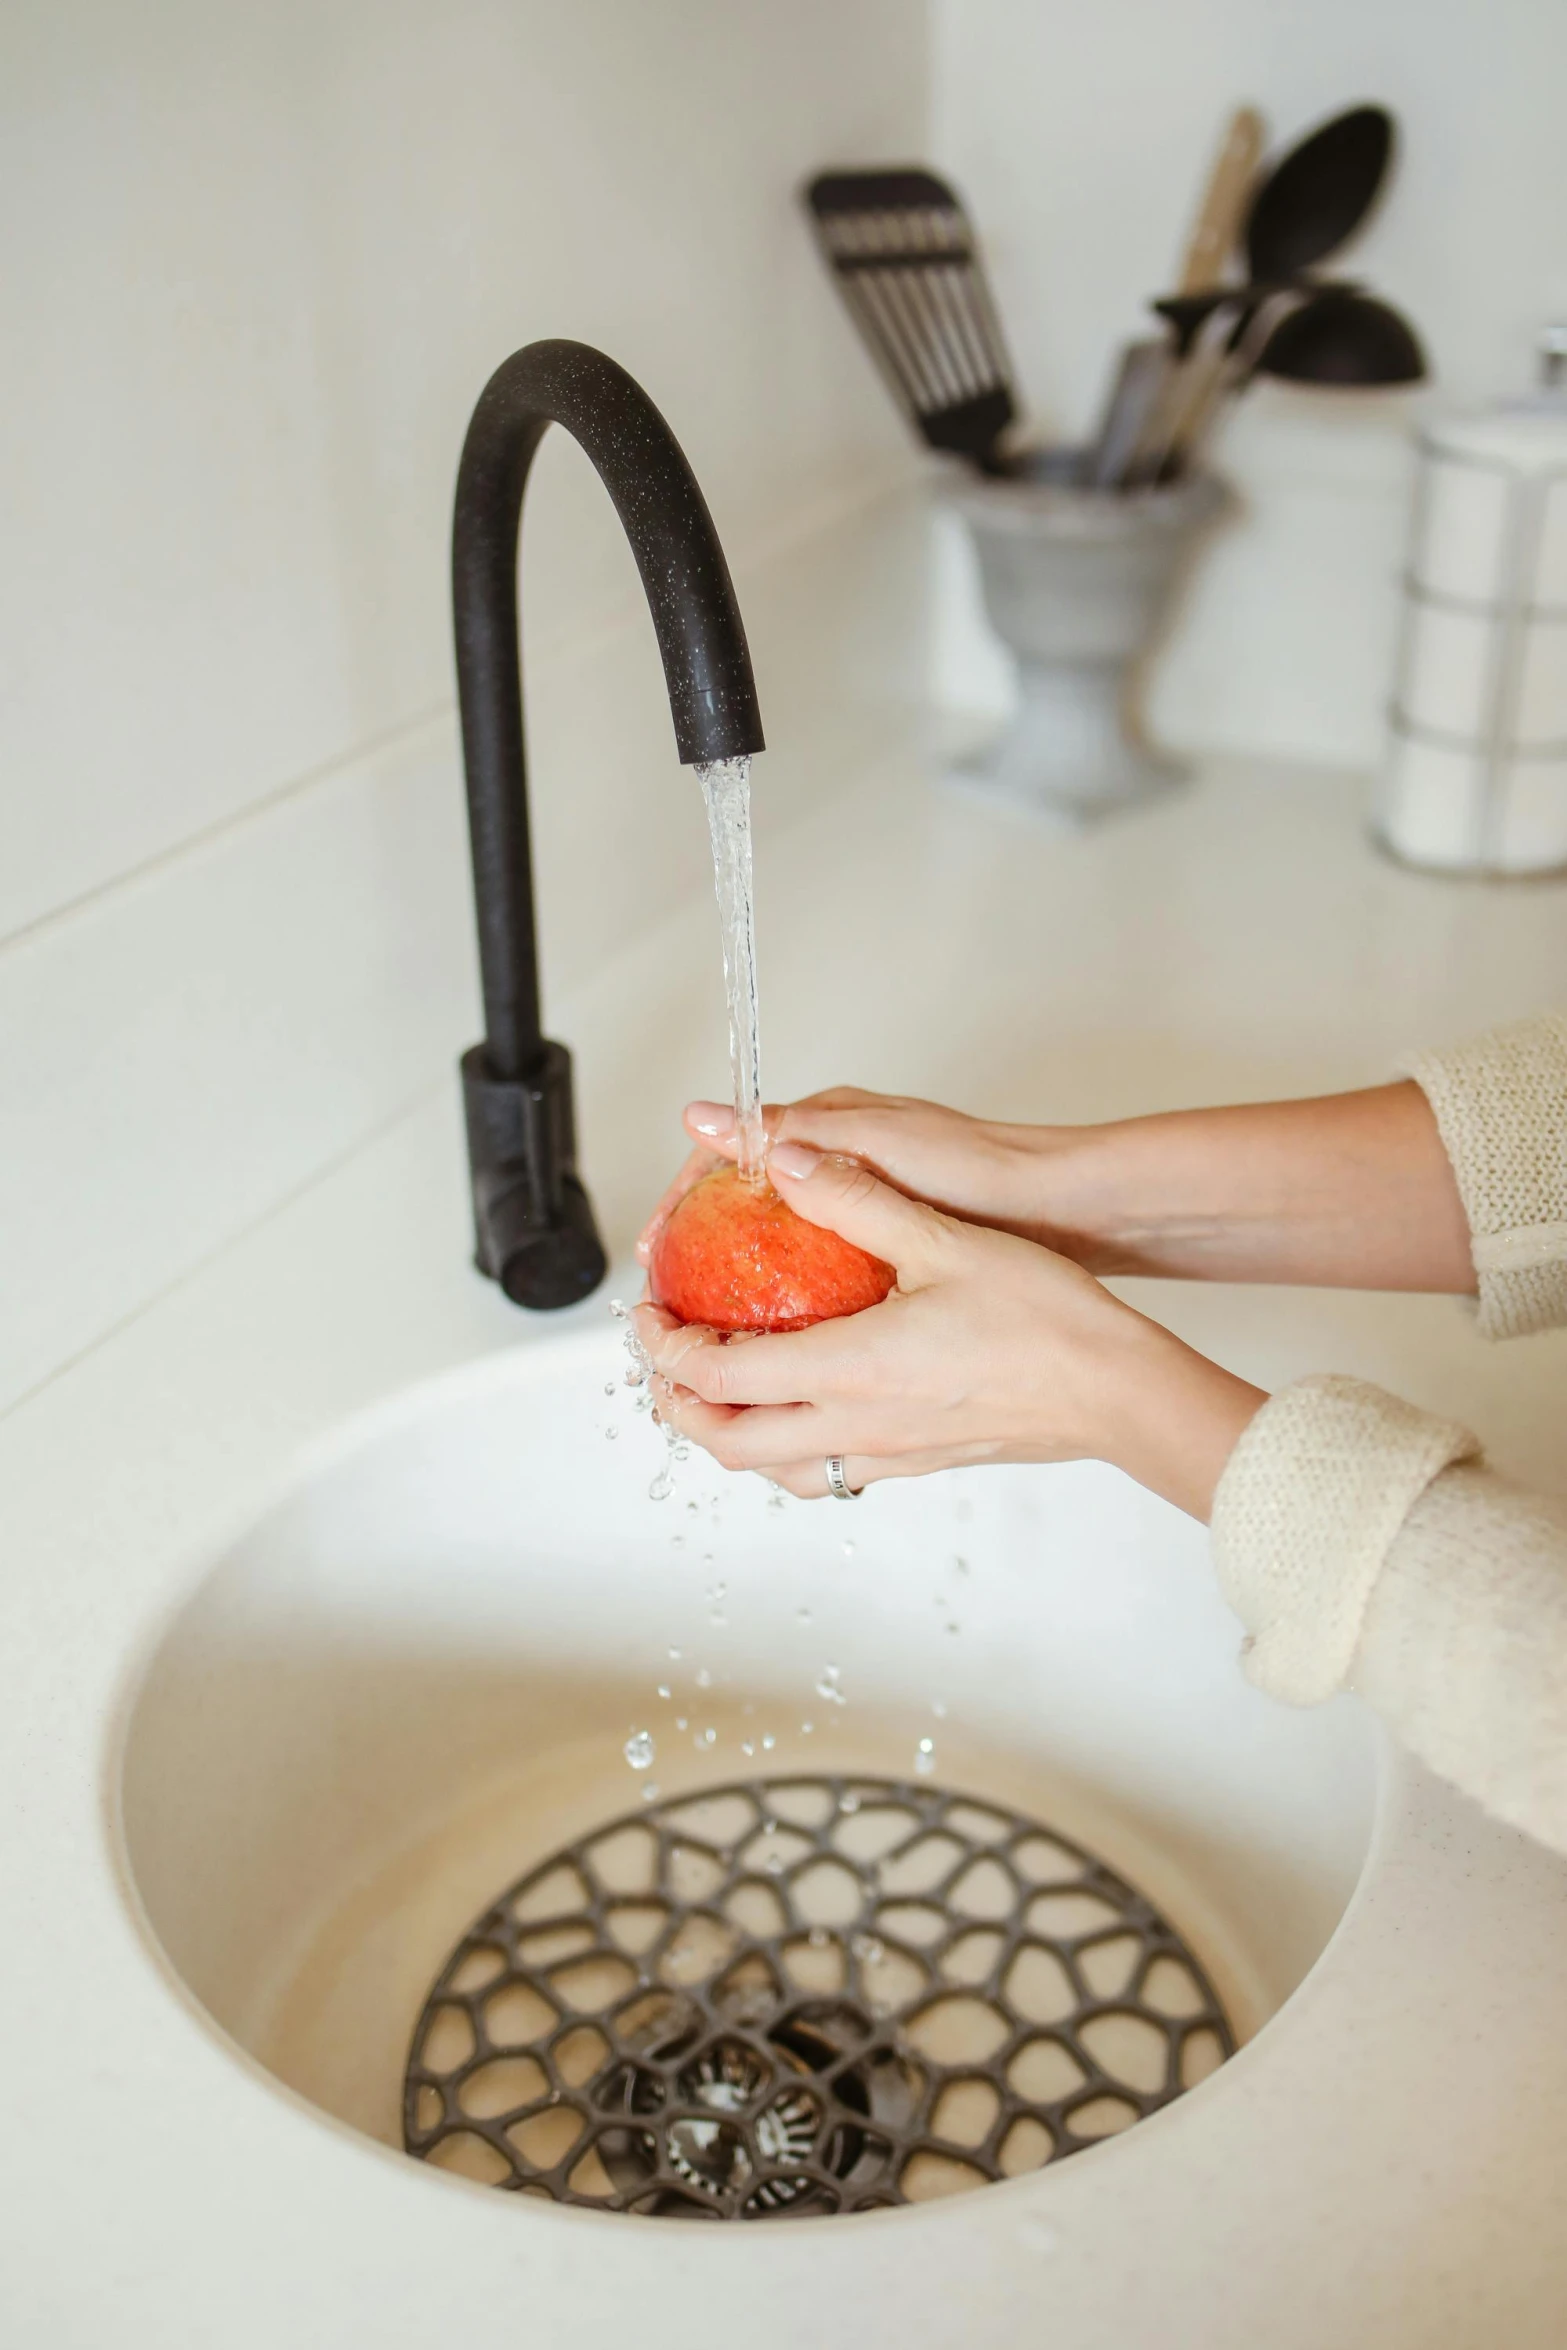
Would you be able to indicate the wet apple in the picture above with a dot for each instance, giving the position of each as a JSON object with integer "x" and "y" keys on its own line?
{"x": 737, "y": 1257}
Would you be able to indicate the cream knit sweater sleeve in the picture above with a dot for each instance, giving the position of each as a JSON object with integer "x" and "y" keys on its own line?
{"x": 1501, "y": 1109}
{"x": 1365, "y": 1545}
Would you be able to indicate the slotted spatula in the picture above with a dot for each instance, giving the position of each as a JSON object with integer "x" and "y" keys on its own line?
{"x": 904, "y": 255}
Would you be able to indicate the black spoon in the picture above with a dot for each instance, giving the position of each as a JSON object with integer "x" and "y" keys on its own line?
{"x": 1341, "y": 337}
{"x": 1319, "y": 194}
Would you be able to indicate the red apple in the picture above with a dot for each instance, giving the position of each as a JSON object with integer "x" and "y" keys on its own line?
{"x": 737, "y": 1257}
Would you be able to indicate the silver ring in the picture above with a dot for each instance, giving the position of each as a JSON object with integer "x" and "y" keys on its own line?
{"x": 837, "y": 1483}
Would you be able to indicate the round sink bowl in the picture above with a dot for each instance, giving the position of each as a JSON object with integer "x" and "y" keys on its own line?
{"x": 417, "y": 1676}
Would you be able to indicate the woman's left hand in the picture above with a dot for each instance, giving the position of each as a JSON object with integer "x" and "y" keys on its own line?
{"x": 990, "y": 1348}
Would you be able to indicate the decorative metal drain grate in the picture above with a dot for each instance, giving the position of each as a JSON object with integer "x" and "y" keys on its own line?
{"x": 803, "y": 1995}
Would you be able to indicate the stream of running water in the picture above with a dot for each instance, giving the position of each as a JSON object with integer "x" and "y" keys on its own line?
{"x": 726, "y": 786}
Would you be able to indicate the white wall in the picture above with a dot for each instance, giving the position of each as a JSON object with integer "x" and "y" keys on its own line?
{"x": 1081, "y": 136}
{"x": 260, "y": 262}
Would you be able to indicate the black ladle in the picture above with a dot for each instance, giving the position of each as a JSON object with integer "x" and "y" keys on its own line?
{"x": 1341, "y": 337}
{"x": 1319, "y": 194}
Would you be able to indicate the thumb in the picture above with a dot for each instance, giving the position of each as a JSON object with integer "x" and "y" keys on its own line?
{"x": 848, "y": 1199}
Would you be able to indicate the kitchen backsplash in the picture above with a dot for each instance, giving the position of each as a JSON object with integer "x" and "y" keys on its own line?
{"x": 268, "y": 259}
{"x": 265, "y": 259}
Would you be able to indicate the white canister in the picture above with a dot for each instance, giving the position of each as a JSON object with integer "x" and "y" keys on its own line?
{"x": 1475, "y": 777}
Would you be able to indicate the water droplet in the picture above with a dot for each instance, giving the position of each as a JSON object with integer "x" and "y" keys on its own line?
{"x": 704, "y": 1679}
{"x": 663, "y": 1689}
{"x": 611, "y": 1434}
{"x": 954, "y": 1627}
{"x": 748, "y": 1746}
{"x": 718, "y": 1592}
{"x": 661, "y": 1486}
{"x": 617, "y": 1307}
{"x": 848, "y": 1550}
{"x": 681, "y": 1722}
{"x": 680, "y": 1451}
{"x": 802, "y": 1615}
{"x": 961, "y": 1565}
{"x": 707, "y": 1737}
{"x": 610, "y": 1387}
{"x": 768, "y": 1742}
{"x": 674, "y": 1655}
{"x": 849, "y": 1803}
{"x": 806, "y": 1728}
{"x": 642, "y": 1401}
{"x": 938, "y": 1706}
{"x": 693, "y": 1507}
{"x": 639, "y": 1749}
{"x": 827, "y": 1685}
{"x": 650, "y": 1793}
{"x": 777, "y": 1498}
{"x": 925, "y": 1758}
{"x": 818, "y": 1937}
{"x": 868, "y": 1950}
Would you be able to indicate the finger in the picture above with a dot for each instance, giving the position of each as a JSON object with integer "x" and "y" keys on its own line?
{"x": 807, "y": 1480}
{"x": 819, "y": 1117}
{"x": 788, "y": 1433}
{"x": 667, "y": 1342}
{"x": 712, "y": 1126}
{"x": 699, "y": 1162}
{"x": 848, "y": 1199}
{"x": 825, "y": 1362}
{"x": 651, "y": 1325}
{"x": 790, "y": 1439}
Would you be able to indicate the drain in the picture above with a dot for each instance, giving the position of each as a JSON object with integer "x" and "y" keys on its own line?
{"x": 803, "y": 1996}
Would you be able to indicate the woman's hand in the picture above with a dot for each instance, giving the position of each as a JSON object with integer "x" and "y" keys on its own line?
{"x": 1352, "y": 1191}
{"x": 985, "y": 1172}
{"x": 991, "y": 1348}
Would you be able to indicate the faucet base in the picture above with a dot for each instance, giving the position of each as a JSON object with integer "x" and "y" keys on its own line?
{"x": 534, "y": 1231}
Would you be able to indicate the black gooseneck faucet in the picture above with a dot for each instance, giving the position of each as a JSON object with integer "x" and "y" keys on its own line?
{"x": 533, "y": 1222}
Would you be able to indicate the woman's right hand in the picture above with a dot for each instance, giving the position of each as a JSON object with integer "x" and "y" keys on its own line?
{"x": 985, "y": 1172}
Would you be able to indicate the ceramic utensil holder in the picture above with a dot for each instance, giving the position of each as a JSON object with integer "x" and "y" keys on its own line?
{"x": 1077, "y": 582}
{"x": 1475, "y": 776}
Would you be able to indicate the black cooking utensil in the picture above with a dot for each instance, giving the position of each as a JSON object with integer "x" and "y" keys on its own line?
{"x": 1319, "y": 194}
{"x": 1342, "y": 337}
{"x": 1188, "y": 314}
{"x": 908, "y": 266}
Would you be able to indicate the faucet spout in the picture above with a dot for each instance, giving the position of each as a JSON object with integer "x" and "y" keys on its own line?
{"x": 534, "y": 1227}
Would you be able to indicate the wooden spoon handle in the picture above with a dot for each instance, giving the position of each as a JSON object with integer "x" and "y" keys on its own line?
{"x": 1217, "y": 229}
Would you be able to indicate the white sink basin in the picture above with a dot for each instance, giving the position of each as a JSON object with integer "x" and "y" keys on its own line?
{"x": 416, "y": 1676}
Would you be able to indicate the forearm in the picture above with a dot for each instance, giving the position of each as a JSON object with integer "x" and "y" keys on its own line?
{"x": 1348, "y": 1191}
{"x": 1170, "y": 1417}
